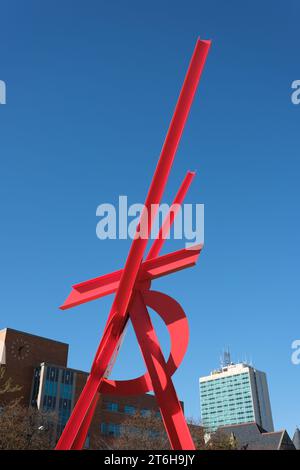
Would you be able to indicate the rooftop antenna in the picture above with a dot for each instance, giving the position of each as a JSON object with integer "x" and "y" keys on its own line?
{"x": 226, "y": 358}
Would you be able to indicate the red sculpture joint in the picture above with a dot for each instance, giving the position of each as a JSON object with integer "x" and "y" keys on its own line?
{"x": 131, "y": 286}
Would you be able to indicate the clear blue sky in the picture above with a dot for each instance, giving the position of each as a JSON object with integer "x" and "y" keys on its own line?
{"x": 91, "y": 87}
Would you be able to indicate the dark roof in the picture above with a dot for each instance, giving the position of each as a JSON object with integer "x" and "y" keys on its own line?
{"x": 296, "y": 439}
{"x": 251, "y": 436}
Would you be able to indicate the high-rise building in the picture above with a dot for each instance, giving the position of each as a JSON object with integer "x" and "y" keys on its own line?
{"x": 39, "y": 366}
{"x": 234, "y": 394}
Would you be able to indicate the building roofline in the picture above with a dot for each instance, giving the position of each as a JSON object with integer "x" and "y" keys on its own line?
{"x": 275, "y": 432}
{"x": 51, "y": 364}
{"x": 33, "y": 335}
{"x": 262, "y": 431}
{"x": 238, "y": 424}
{"x": 281, "y": 438}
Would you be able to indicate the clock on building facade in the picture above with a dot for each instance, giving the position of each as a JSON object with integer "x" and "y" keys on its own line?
{"x": 20, "y": 348}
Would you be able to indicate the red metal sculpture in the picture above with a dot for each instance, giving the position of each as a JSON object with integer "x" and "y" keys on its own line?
{"x": 132, "y": 296}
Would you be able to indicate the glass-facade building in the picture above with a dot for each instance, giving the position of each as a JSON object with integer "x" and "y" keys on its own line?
{"x": 235, "y": 394}
{"x": 53, "y": 391}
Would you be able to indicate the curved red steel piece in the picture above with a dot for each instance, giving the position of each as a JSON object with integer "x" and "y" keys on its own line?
{"x": 175, "y": 319}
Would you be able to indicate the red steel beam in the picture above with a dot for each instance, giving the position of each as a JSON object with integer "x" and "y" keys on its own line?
{"x": 150, "y": 269}
{"x": 167, "y": 223}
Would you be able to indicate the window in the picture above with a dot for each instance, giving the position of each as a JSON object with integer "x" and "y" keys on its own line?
{"x": 112, "y": 406}
{"x": 66, "y": 390}
{"x": 130, "y": 410}
{"x": 67, "y": 377}
{"x": 52, "y": 374}
{"x": 103, "y": 428}
{"x": 110, "y": 429}
{"x": 36, "y": 386}
{"x": 64, "y": 403}
{"x": 49, "y": 402}
{"x": 154, "y": 434}
{"x": 87, "y": 442}
{"x": 64, "y": 410}
{"x": 59, "y": 429}
{"x": 113, "y": 429}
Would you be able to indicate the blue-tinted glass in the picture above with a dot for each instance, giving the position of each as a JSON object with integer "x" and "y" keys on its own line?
{"x": 130, "y": 410}
{"x": 113, "y": 429}
{"x": 112, "y": 406}
{"x": 36, "y": 386}
{"x": 103, "y": 427}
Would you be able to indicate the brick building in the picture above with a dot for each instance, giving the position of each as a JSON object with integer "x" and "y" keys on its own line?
{"x": 39, "y": 365}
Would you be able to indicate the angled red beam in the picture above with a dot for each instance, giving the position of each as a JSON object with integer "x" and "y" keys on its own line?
{"x": 171, "y": 264}
{"x": 99, "y": 281}
{"x": 79, "y": 442}
{"x": 169, "y": 220}
{"x": 150, "y": 269}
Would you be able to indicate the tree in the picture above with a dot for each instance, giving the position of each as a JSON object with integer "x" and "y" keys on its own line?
{"x": 146, "y": 432}
{"x": 26, "y": 428}
{"x": 142, "y": 432}
{"x": 221, "y": 441}
{"x": 21, "y": 427}
{"x": 197, "y": 433}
